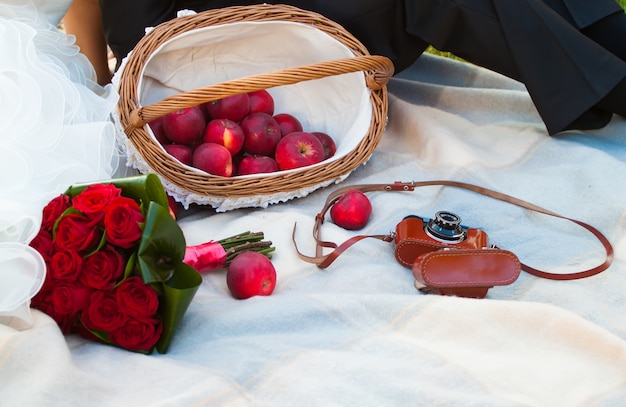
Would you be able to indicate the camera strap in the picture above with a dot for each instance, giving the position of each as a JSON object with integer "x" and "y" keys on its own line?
{"x": 324, "y": 260}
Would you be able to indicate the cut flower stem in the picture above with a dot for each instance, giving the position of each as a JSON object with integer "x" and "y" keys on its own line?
{"x": 246, "y": 242}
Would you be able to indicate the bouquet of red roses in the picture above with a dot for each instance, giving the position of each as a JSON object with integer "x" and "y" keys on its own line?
{"x": 118, "y": 268}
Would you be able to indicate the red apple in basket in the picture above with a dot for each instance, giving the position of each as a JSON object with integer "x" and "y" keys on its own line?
{"x": 184, "y": 126}
{"x": 330, "y": 148}
{"x": 256, "y": 164}
{"x": 225, "y": 132}
{"x": 213, "y": 158}
{"x": 156, "y": 126}
{"x": 298, "y": 149}
{"x": 261, "y": 101}
{"x": 249, "y": 274}
{"x": 180, "y": 152}
{"x": 287, "y": 123}
{"x": 234, "y": 107}
{"x": 352, "y": 210}
{"x": 262, "y": 134}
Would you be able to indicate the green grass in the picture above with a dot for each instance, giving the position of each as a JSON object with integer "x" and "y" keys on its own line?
{"x": 432, "y": 50}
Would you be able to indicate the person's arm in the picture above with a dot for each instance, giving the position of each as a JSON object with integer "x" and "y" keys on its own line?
{"x": 83, "y": 19}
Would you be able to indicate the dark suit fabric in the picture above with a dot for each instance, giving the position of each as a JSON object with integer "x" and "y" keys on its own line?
{"x": 565, "y": 73}
{"x": 378, "y": 24}
{"x": 536, "y": 42}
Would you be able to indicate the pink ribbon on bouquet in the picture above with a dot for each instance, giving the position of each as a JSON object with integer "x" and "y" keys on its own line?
{"x": 206, "y": 256}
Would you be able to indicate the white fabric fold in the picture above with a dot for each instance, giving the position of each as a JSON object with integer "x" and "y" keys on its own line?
{"x": 55, "y": 130}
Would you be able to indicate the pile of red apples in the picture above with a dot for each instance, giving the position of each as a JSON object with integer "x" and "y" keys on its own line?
{"x": 240, "y": 135}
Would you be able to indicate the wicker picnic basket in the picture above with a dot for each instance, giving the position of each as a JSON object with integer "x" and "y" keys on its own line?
{"x": 214, "y": 36}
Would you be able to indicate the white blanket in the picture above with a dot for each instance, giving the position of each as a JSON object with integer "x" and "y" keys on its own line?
{"x": 359, "y": 333}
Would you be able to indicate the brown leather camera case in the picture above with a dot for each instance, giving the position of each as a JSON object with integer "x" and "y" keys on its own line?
{"x": 465, "y": 272}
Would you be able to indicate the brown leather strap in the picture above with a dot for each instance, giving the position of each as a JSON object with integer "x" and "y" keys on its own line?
{"x": 324, "y": 261}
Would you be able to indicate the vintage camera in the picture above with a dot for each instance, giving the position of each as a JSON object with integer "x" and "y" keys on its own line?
{"x": 416, "y": 236}
{"x": 450, "y": 259}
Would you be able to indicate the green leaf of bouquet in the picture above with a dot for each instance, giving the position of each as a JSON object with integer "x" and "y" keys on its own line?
{"x": 130, "y": 266}
{"x": 145, "y": 188}
{"x": 162, "y": 246}
{"x": 102, "y": 335}
{"x": 101, "y": 243}
{"x": 178, "y": 292}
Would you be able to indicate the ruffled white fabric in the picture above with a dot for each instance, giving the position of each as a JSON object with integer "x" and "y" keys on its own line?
{"x": 55, "y": 130}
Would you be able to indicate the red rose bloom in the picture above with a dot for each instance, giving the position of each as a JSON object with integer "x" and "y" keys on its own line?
{"x": 75, "y": 232}
{"x": 65, "y": 265}
{"x": 138, "y": 334}
{"x": 69, "y": 298}
{"x": 102, "y": 269}
{"x": 137, "y": 298}
{"x": 93, "y": 200}
{"x": 103, "y": 313}
{"x": 122, "y": 222}
{"x": 43, "y": 243}
{"x": 53, "y": 210}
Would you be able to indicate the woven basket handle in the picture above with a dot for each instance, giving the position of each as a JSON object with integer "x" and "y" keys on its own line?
{"x": 378, "y": 70}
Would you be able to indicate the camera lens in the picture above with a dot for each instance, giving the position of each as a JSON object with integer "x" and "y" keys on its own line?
{"x": 446, "y": 226}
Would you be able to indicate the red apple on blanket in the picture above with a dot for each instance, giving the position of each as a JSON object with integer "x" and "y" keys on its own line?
{"x": 352, "y": 210}
{"x": 225, "y": 132}
{"x": 330, "y": 148}
{"x": 250, "y": 274}
{"x": 262, "y": 134}
{"x": 213, "y": 158}
{"x": 234, "y": 107}
{"x": 181, "y": 152}
{"x": 298, "y": 149}
{"x": 287, "y": 123}
{"x": 256, "y": 164}
{"x": 261, "y": 101}
{"x": 185, "y": 126}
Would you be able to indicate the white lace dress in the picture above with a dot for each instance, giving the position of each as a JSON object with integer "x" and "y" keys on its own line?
{"x": 55, "y": 130}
